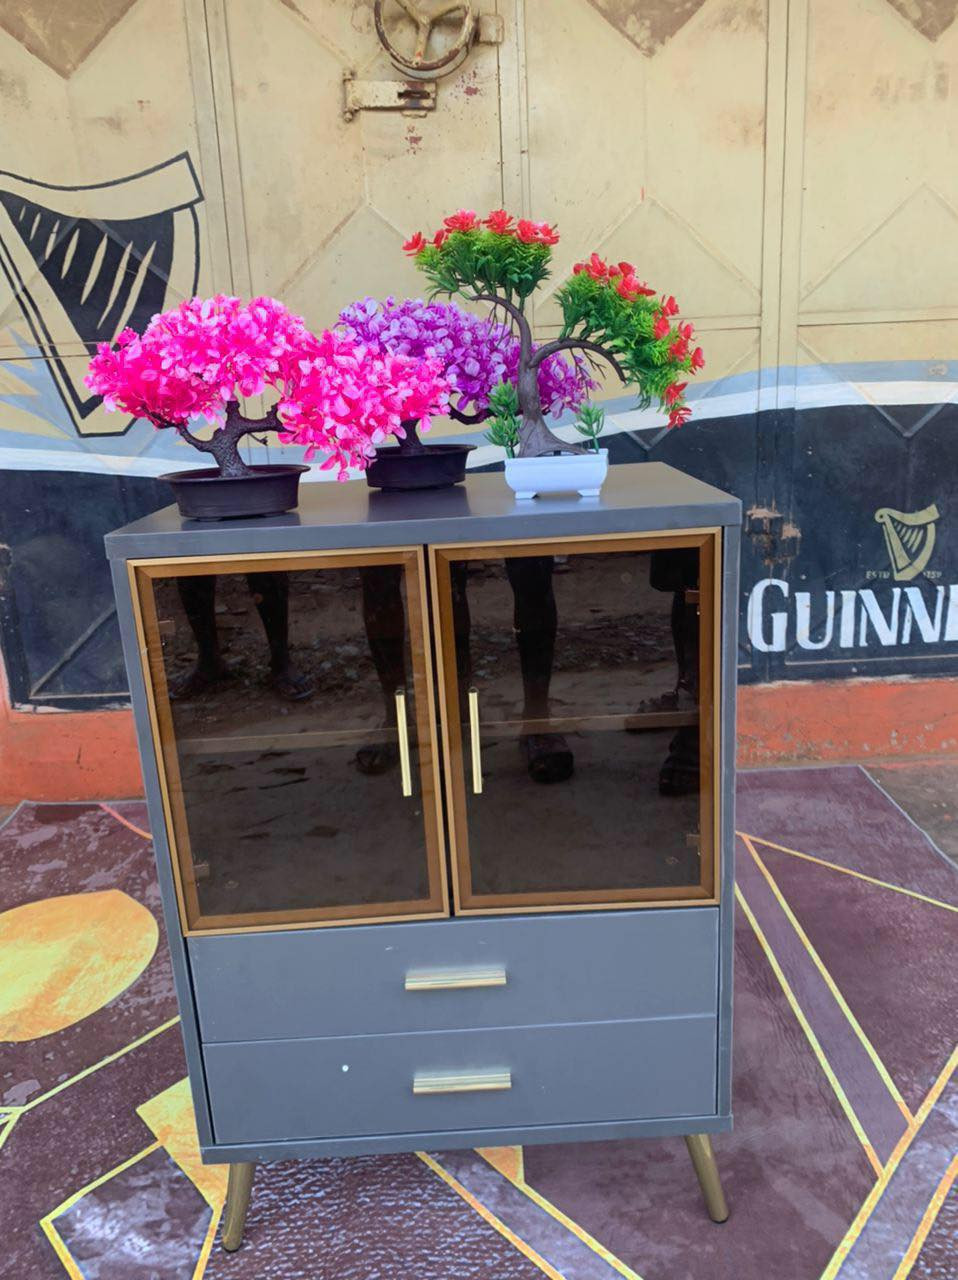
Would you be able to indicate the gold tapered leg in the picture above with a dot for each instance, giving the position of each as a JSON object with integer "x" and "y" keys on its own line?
{"x": 237, "y": 1202}
{"x": 703, "y": 1158}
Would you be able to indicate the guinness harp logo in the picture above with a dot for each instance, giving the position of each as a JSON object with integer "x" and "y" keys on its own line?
{"x": 910, "y": 539}
{"x": 85, "y": 262}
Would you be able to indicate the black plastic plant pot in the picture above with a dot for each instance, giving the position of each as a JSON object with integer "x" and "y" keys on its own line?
{"x": 437, "y": 467}
{"x": 208, "y": 495}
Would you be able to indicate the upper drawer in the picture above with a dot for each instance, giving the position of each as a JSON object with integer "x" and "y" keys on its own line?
{"x": 557, "y": 968}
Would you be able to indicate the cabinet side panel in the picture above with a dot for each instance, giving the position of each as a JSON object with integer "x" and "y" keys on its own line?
{"x": 730, "y": 586}
{"x": 161, "y": 849}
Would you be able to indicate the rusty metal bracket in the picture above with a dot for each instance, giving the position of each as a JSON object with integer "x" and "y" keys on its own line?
{"x": 412, "y": 97}
{"x": 776, "y": 539}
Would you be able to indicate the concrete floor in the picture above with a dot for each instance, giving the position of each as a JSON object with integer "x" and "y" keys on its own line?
{"x": 842, "y": 1163}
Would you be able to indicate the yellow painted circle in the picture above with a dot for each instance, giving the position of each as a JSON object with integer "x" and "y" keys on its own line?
{"x": 61, "y": 959}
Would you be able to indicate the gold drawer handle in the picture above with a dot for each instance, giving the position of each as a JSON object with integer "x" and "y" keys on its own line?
{"x": 405, "y": 772}
{"x": 454, "y": 979}
{"x": 461, "y": 1082}
{"x": 474, "y": 739}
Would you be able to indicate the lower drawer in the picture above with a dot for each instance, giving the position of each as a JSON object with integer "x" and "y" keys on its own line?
{"x": 274, "y": 1091}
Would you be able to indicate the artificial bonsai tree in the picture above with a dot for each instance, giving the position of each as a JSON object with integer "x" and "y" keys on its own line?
{"x": 607, "y": 313}
{"x": 476, "y": 355}
{"x": 198, "y": 360}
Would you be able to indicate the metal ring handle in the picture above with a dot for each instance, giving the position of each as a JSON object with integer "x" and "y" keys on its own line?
{"x": 417, "y": 64}
{"x": 405, "y": 771}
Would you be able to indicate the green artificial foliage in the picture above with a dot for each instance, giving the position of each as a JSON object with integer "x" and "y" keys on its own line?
{"x": 591, "y": 423}
{"x": 476, "y": 262}
{"x": 504, "y": 422}
{"x": 607, "y": 313}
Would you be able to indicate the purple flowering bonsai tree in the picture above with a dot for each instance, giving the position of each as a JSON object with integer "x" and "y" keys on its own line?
{"x": 477, "y": 355}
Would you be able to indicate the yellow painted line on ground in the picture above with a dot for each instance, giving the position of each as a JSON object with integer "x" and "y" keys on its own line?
{"x": 104, "y": 1062}
{"x": 810, "y": 1035}
{"x": 847, "y": 871}
{"x": 830, "y": 983}
{"x": 125, "y": 821}
{"x": 927, "y": 1221}
{"x": 490, "y": 1217}
{"x": 8, "y": 1118}
{"x": 199, "y": 1271}
{"x": 47, "y": 1223}
{"x": 580, "y": 1232}
{"x": 877, "y": 1191}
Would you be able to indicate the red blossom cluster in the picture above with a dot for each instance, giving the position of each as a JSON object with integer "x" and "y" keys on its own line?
{"x": 499, "y": 222}
{"x": 620, "y": 275}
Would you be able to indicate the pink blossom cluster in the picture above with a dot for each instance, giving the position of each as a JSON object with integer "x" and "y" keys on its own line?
{"x": 189, "y": 361}
{"x": 349, "y": 397}
{"x": 334, "y": 395}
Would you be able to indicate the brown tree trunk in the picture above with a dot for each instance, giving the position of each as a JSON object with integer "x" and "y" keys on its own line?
{"x": 223, "y": 444}
{"x": 410, "y": 443}
{"x": 535, "y": 438}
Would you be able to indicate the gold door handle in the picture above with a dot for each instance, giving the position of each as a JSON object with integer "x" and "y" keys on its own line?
{"x": 455, "y": 979}
{"x": 404, "y": 768}
{"x": 474, "y": 740}
{"x": 461, "y": 1081}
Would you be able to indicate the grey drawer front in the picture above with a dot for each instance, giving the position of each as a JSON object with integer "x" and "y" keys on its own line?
{"x": 350, "y": 981}
{"x": 356, "y": 1085}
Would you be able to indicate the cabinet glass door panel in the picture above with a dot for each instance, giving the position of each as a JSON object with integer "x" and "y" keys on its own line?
{"x": 578, "y": 704}
{"x": 292, "y": 704}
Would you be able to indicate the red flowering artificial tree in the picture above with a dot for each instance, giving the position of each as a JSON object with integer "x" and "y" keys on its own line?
{"x": 334, "y": 394}
{"x": 607, "y": 312}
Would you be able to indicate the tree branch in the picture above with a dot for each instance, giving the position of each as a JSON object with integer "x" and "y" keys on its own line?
{"x": 470, "y": 419}
{"x": 183, "y": 430}
{"x": 522, "y": 324}
{"x": 572, "y": 344}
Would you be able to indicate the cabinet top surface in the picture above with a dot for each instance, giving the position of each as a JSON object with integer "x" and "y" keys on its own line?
{"x": 636, "y": 498}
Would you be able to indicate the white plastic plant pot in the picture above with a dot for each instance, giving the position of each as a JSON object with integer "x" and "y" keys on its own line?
{"x": 582, "y": 473}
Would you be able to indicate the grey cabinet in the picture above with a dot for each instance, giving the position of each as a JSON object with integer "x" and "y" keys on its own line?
{"x": 441, "y": 792}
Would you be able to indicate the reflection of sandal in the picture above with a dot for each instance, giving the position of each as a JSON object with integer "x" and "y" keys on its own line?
{"x": 681, "y": 698}
{"x": 377, "y": 757}
{"x": 199, "y": 681}
{"x": 548, "y": 757}
{"x": 680, "y": 774}
{"x": 291, "y": 686}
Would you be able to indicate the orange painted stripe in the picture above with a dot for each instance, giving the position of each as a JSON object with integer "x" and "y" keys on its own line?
{"x": 92, "y": 755}
{"x": 125, "y": 821}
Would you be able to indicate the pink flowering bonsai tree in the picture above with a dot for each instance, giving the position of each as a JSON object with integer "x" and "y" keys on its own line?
{"x": 333, "y": 394}
{"x": 476, "y": 355}
{"x": 607, "y": 313}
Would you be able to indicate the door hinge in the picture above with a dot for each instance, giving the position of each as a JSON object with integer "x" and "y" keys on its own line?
{"x": 776, "y": 539}
{"x": 412, "y": 97}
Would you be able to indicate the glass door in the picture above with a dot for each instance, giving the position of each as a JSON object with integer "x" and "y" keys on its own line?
{"x": 578, "y": 683}
{"x": 292, "y": 709}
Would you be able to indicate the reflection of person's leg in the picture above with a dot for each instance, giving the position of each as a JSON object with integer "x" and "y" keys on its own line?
{"x": 270, "y": 592}
{"x": 536, "y": 624}
{"x": 198, "y": 597}
{"x": 384, "y": 617}
{"x": 677, "y": 571}
{"x": 461, "y": 625}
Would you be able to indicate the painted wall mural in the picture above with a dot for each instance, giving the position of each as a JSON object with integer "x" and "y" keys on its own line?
{"x": 86, "y": 262}
{"x": 153, "y": 150}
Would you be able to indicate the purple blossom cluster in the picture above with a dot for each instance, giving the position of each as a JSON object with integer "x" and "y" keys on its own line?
{"x": 476, "y": 354}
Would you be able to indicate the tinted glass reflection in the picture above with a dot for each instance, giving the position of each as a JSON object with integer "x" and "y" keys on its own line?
{"x": 283, "y": 698}
{"x": 586, "y": 669}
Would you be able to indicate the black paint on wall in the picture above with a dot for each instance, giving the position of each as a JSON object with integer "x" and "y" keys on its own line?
{"x": 816, "y": 478}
